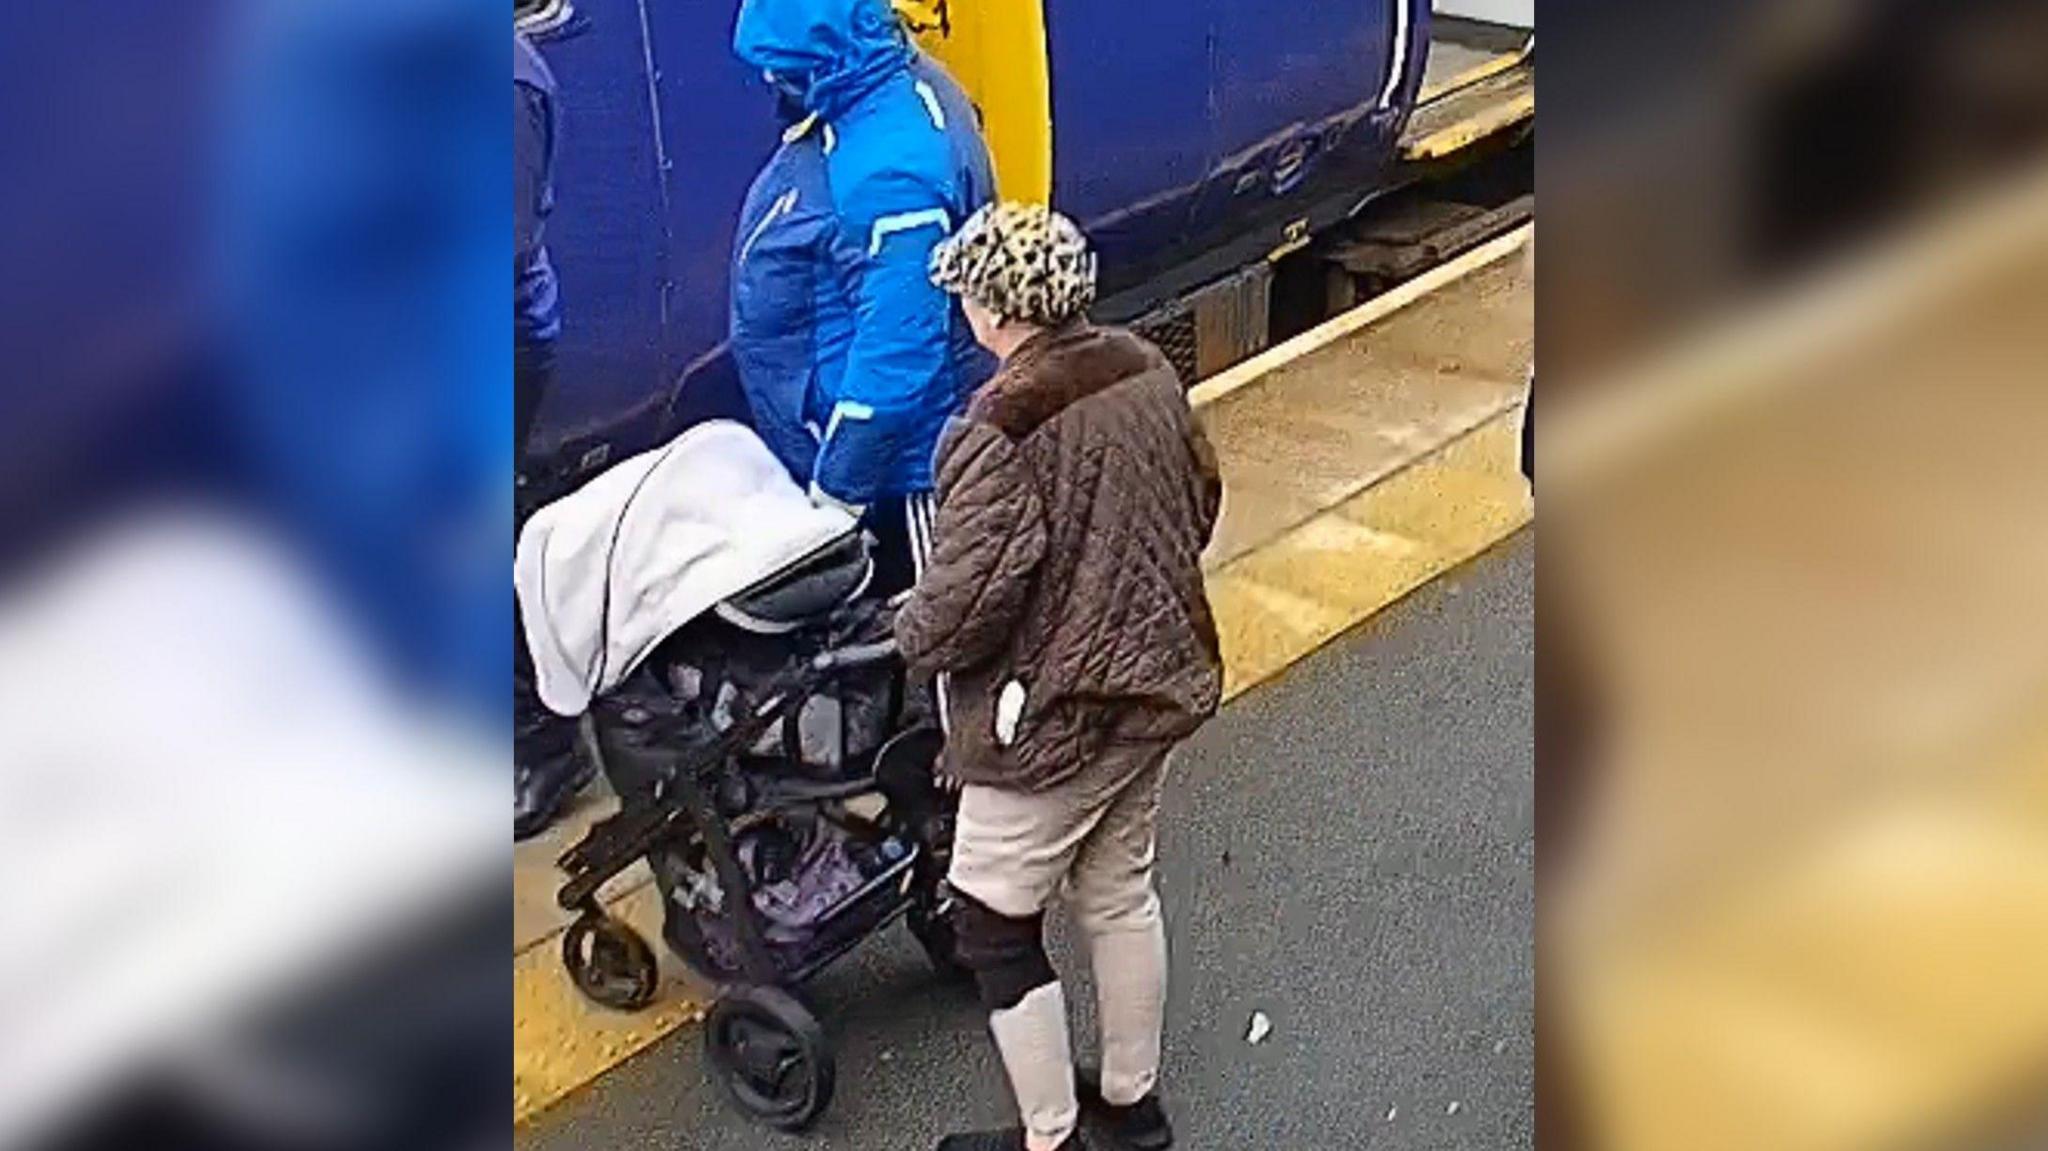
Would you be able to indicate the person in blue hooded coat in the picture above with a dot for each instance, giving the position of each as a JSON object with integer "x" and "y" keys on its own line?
{"x": 851, "y": 360}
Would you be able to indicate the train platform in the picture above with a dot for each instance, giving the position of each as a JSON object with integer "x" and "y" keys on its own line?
{"x": 1361, "y": 459}
{"x": 1480, "y": 82}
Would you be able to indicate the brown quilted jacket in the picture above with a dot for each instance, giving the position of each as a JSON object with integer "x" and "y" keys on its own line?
{"x": 1064, "y": 605}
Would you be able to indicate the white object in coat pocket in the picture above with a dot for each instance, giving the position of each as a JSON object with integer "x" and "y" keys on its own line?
{"x": 1009, "y": 711}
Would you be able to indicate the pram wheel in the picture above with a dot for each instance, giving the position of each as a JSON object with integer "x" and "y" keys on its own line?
{"x": 771, "y": 1056}
{"x": 609, "y": 962}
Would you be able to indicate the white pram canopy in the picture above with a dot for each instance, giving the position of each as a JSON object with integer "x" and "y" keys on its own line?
{"x": 608, "y": 572}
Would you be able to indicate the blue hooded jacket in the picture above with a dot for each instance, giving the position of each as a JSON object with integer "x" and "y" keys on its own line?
{"x": 851, "y": 360}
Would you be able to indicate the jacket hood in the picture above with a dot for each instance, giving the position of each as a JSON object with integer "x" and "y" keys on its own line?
{"x": 830, "y": 53}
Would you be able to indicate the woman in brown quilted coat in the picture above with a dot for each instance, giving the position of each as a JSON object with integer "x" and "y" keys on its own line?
{"x": 1064, "y": 618}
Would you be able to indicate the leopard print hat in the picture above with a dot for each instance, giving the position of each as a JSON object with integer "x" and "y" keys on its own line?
{"x": 1021, "y": 261}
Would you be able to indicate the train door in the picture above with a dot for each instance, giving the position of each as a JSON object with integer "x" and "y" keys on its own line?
{"x": 1130, "y": 110}
{"x": 661, "y": 130}
{"x": 1306, "y": 105}
{"x": 717, "y": 126}
{"x": 606, "y": 236}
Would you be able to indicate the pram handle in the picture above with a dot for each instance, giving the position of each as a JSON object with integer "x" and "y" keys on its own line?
{"x": 856, "y": 656}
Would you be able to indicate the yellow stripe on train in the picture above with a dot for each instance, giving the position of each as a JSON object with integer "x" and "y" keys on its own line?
{"x": 996, "y": 50}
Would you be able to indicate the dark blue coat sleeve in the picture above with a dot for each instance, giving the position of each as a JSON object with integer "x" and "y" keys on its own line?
{"x": 536, "y": 310}
{"x": 529, "y": 170}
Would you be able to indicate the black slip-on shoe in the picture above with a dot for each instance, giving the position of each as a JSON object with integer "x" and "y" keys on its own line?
{"x": 1141, "y": 1126}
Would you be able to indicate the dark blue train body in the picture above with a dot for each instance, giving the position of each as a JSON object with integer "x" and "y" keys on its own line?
{"x": 1188, "y": 137}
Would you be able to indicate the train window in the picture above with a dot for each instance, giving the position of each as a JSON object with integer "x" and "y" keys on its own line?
{"x": 539, "y": 17}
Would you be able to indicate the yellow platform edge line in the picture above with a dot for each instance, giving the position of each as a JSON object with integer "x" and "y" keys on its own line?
{"x": 1285, "y": 600}
{"x": 1485, "y": 70}
{"x": 1464, "y": 133}
{"x": 1274, "y": 607}
{"x": 1347, "y": 323}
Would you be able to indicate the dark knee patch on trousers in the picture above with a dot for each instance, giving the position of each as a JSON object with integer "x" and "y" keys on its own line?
{"x": 1006, "y": 955}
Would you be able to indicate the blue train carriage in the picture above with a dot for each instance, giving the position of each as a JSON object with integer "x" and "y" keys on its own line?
{"x": 1192, "y": 138}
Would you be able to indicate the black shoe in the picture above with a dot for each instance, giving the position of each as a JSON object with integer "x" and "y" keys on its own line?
{"x": 1141, "y": 1125}
{"x": 1008, "y": 1139}
{"x": 540, "y": 792}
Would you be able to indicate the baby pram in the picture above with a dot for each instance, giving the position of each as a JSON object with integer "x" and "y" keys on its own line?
{"x": 739, "y": 677}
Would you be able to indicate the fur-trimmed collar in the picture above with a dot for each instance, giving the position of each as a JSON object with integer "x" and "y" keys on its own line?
{"x": 1056, "y": 369}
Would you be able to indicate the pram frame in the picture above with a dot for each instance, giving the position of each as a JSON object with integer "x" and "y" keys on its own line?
{"x": 683, "y": 807}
